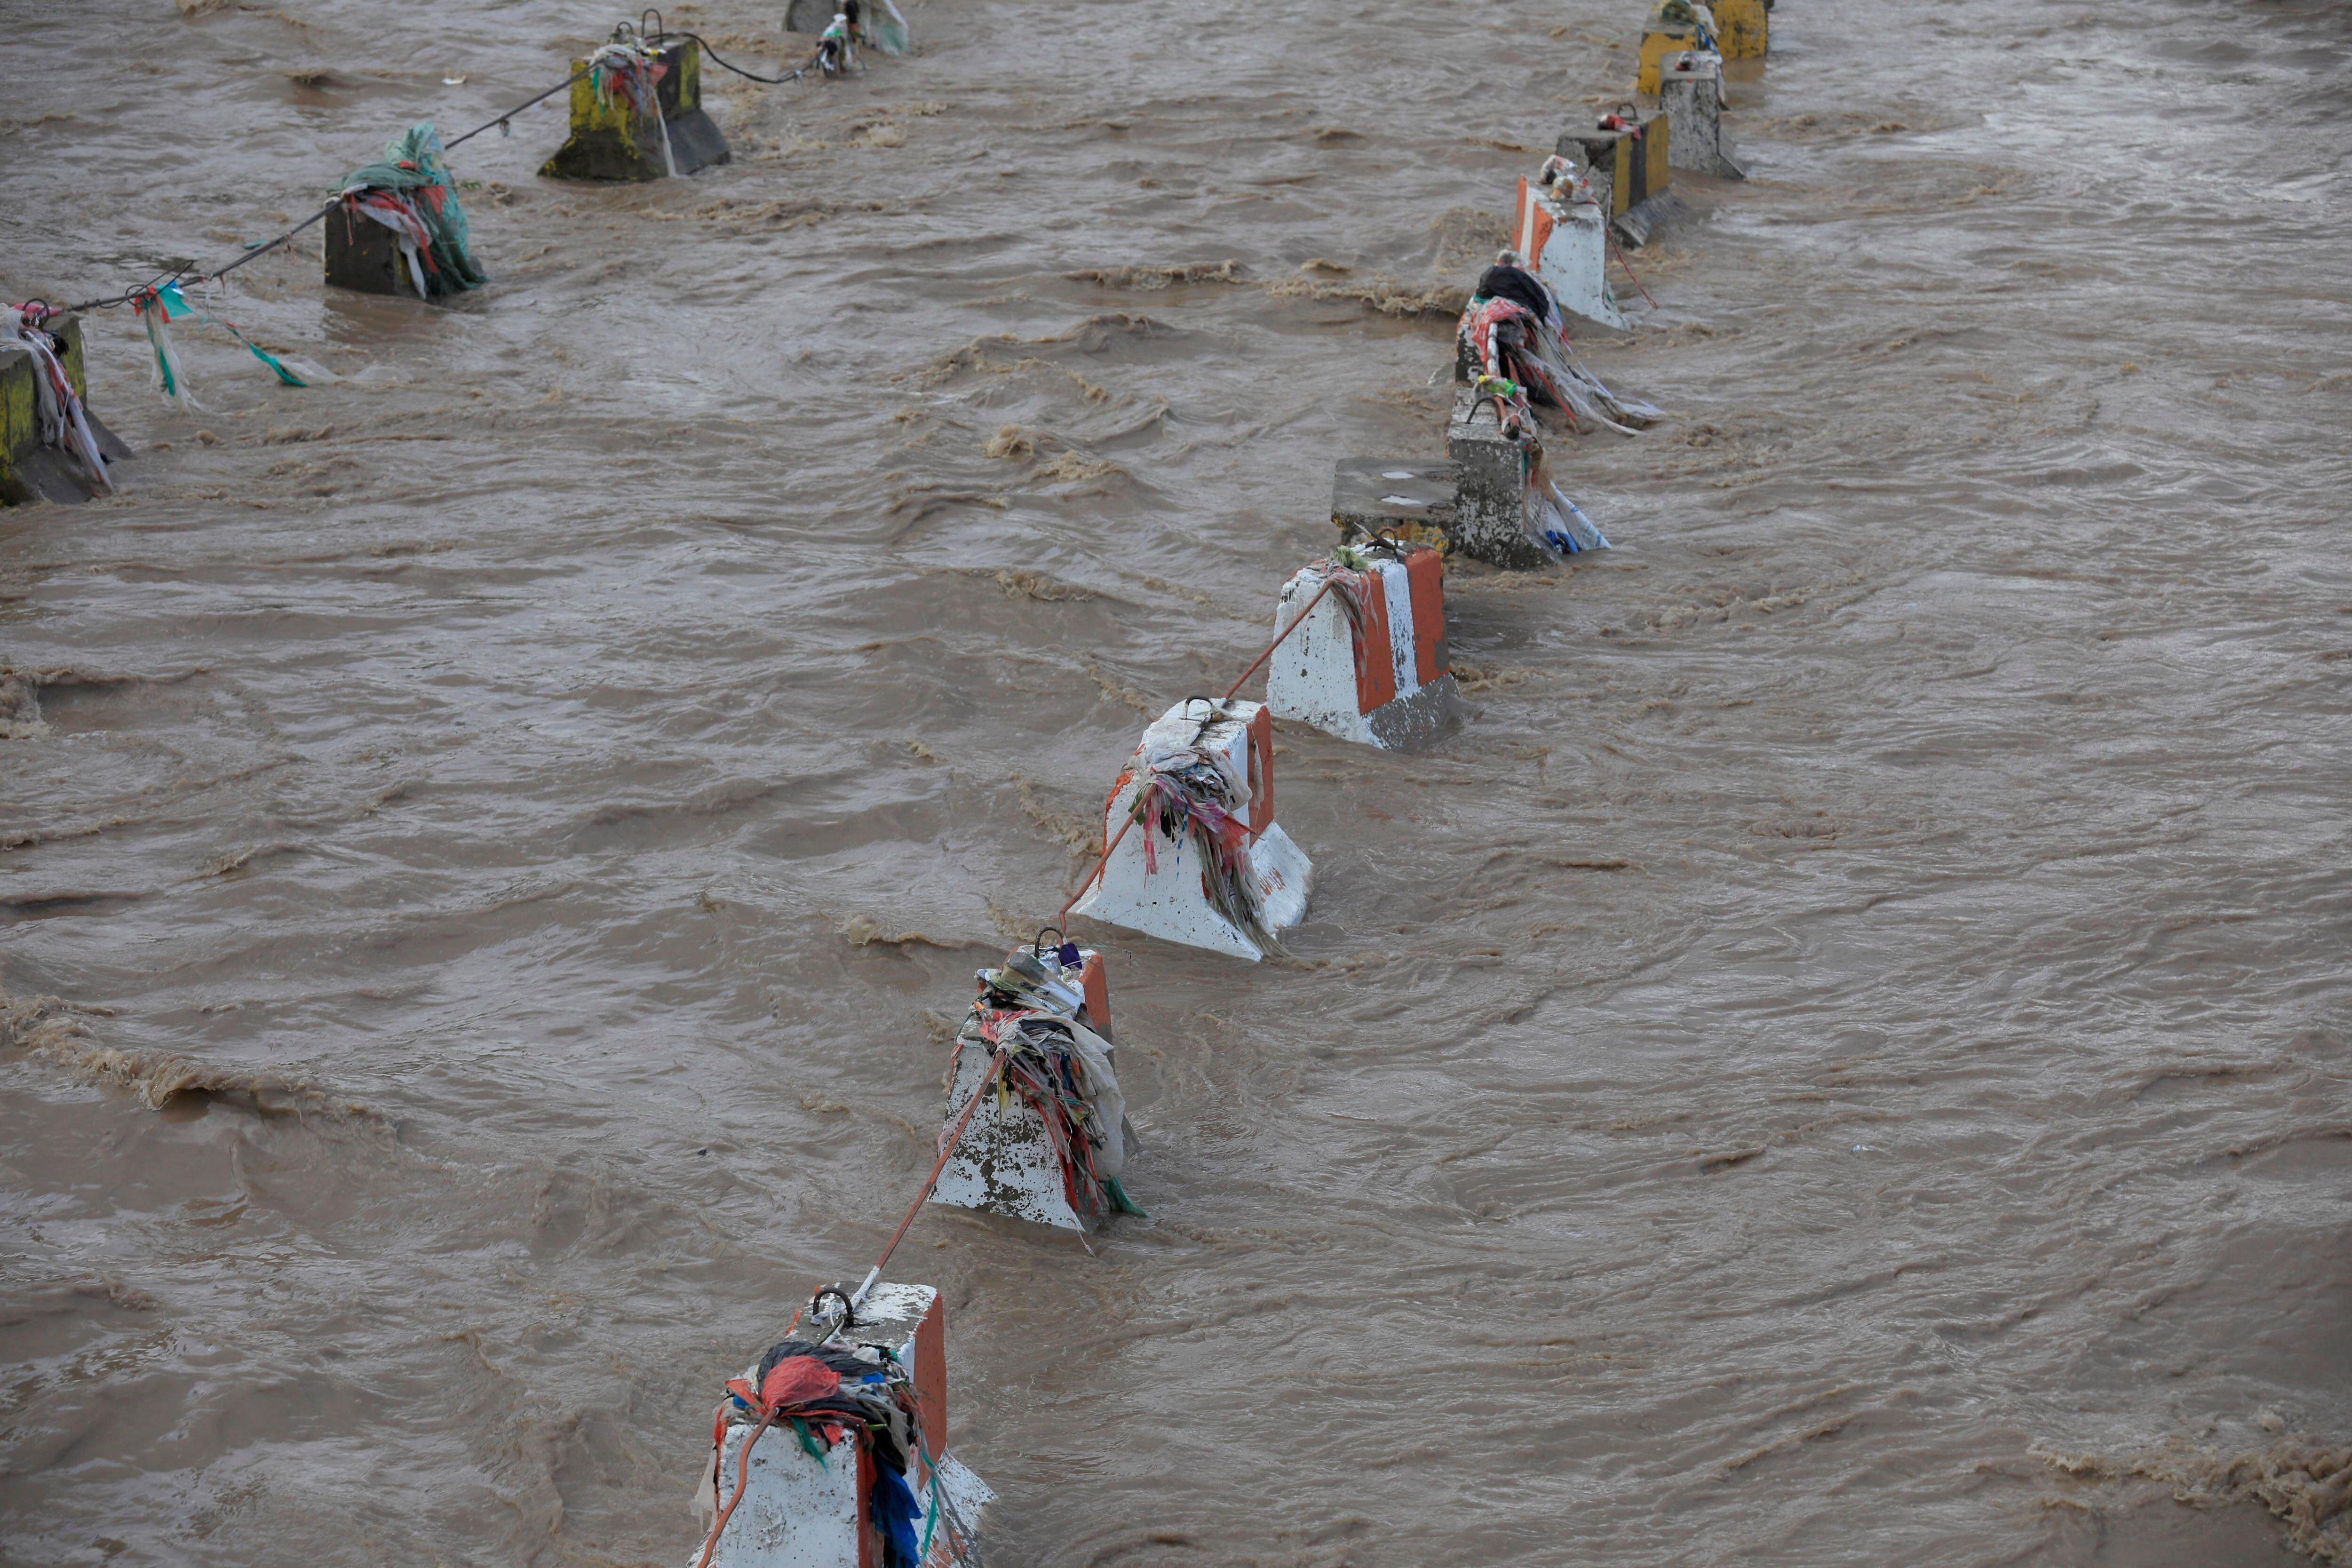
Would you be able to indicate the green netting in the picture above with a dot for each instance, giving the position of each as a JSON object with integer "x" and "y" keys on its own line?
{"x": 414, "y": 166}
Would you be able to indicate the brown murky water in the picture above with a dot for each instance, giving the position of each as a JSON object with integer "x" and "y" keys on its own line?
{"x": 1858, "y": 1018}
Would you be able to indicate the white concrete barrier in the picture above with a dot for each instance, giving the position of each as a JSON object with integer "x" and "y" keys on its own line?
{"x": 1690, "y": 92}
{"x": 836, "y": 1506}
{"x": 1209, "y": 867}
{"x": 1016, "y": 1156}
{"x": 1370, "y": 667}
{"x": 1563, "y": 235}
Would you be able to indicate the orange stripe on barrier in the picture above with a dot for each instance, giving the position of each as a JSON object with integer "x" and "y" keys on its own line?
{"x": 1534, "y": 224}
{"x": 1424, "y": 572}
{"x": 1094, "y": 984}
{"x": 931, "y": 1373}
{"x": 1375, "y": 654}
{"x": 1260, "y": 771}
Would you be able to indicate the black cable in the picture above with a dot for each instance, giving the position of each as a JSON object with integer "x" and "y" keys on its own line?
{"x": 177, "y": 273}
{"x": 738, "y": 71}
{"x": 519, "y": 108}
{"x": 268, "y": 245}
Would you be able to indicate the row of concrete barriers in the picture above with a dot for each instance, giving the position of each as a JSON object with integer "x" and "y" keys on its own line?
{"x": 1034, "y": 1126}
{"x": 1191, "y": 849}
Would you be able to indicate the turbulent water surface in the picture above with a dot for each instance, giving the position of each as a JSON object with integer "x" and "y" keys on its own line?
{"x": 1842, "y": 1060}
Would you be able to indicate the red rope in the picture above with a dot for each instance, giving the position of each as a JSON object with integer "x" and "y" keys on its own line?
{"x": 1089, "y": 879}
{"x": 947, "y": 1149}
{"x": 1277, "y": 643}
{"x": 955, "y": 1134}
{"x": 1625, "y": 264}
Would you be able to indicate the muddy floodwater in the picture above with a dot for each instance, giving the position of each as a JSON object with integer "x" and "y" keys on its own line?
{"x": 1842, "y": 1060}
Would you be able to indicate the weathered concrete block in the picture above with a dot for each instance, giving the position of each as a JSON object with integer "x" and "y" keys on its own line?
{"x": 1629, "y": 170}
{"x": 1411, "y": 499}
{"x": 1743, "y": 28}
{"x": 1736, "y": 27}
{"x": 609, "y": 142}
{"x": 1384, "y": 680}
{"x": 363, "y": 255}
{"x": 1659, "y": 39}
{"x": 1690, "y": 95}
{"x": 1490, "y": 513}
{"x": 1565, "y": 242}
{"x": 1006, "y": 1162}
{"x": 800, "y": 1512}
{"x": 30, "y": 471}
{"x": 1165, "y": 893}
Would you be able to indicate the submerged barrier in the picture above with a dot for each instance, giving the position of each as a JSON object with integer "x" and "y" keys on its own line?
{"x": 1675, "y": 26}
{"x": 866, "y": 1477}
{"x": 397, "y": 226}
{"x": 1690, "y": 95}
{"x": 52, "y": 447}
{"x": 1212, "y": 868}
{"x": 1046, "y": 1137}
{"x": 1563, "y": 238}
{"x": 1743, "y": 28}
{"x": 1368, "y": 662}
{"x": 637, "y": 114}
{"x": 1627, "y": 164}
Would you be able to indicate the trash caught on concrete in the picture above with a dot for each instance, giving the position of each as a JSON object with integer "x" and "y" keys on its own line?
{"x": 1050, "y": 1138}
{"x": 858, "y": 1472}
{"x": 1206, "y": 864}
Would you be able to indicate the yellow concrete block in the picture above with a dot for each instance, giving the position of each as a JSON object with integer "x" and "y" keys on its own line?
{"x": 1743, "y": 28}
{"x": 26, "y": 470}
{"x": 20, "y": 420}
{"x": 1656, "y": 47}
{"x": 608, "y": 143}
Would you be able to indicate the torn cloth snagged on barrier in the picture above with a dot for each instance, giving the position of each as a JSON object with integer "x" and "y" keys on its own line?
{"x": 1061, "y": 1069}
{"x": 1512, "y": 331}
{"x": 1192, "y": 789}
{"x": 839, "y": 1401}
{"x": 63, "y": 424}
{"x": 410, "y": 193}
{"x": 1556, "y": 524}
{"x": 630, "y": 73}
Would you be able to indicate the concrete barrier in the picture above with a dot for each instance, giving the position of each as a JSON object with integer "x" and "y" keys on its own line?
{"x": 612, "y": 140}
{"x": 1411, "y": 499}
{"x": 1563, "y": 236}
{"x": 39, "y": 457}
{"x": 364, "y": 256}
{"x": 1743, "y": 28}
{"x": 1009, "y": 1161}
{"x": 1209, "y": 867}
{"x": 1626, "y": 160}
{"x": 1673, "y": 25}
{"x": 1490, "y": 515}
{"x": 1690, "y": 95}
{"x": 1510, "y": 512}
{"x": 804, "y": 1508}
{"x": 1372, "y": 666}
